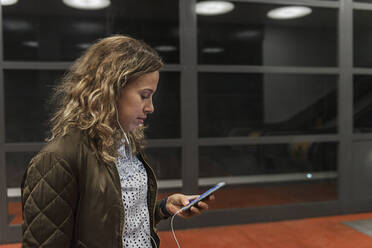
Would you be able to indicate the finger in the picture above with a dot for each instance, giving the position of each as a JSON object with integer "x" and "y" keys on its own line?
{"x": 186, "y": 214}
{"x": 185, "y": 202}
{"x": 180, "y": 200}
{"x": 202, "y": 206}
{"x": 195, "y": 211}
{"x": 192, "y": 197}
{"x": 188, "y": 198}
{"x": 211, "y": 198}
{"x": 174, "y": 209}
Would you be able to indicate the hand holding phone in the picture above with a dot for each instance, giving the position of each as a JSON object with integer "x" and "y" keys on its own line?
{"x": 203, "y": 196}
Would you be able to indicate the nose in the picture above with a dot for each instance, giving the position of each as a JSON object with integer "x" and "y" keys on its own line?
{"x": 149, "y": 107}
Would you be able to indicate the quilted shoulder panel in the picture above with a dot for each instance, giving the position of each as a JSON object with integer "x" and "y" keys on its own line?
{"x": 49, "y": 195}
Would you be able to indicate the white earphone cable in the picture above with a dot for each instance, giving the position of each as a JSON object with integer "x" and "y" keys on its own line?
{"x": 125, "y": 136}
{"x": 153, "y": 240}
{"x": 130, "y": 151}
{"x": 127, "y": 141}
{"x": 174, "y": 234}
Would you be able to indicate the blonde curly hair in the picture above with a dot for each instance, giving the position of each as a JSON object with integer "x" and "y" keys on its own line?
{"x": 87, "y": 96}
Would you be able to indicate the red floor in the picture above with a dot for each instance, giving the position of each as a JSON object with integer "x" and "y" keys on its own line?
{"x": 309, "y": 233}
{"x": 267, "y": 195}
{"x": 326, "y": 232}
{"x": 323, "y": 232}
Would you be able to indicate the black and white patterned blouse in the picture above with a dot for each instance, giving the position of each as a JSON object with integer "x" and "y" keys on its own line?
{"x": 133, "y": 179}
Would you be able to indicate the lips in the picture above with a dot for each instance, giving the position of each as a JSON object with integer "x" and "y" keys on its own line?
{"x": 141, "y": 120}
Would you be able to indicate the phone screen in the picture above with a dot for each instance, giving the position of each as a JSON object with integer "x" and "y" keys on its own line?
{"x": 204, "y": 195}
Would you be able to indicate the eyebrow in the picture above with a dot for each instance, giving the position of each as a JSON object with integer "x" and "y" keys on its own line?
{"x": 147, "y": 89}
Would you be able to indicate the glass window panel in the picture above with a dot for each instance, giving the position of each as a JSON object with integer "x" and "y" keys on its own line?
{"x": 275, "y": 174}
{"x": 166, "y": 162}
{"x": 27, "y": 111}
{"x": 167, "y": 165}
{"x": 362, "y": 38}
{"x": 165, "y": 122}
{"x": 266, "y": 104}
{"x": 26, "y": 89}
{"x": 247, "y": 36}
{"x": 16, "y": 163}
{"x": 30, "y": 28}
{"x": 362, "y": 104}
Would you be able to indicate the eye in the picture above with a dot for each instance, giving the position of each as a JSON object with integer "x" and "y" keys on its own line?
{"x": 145, "y": 96}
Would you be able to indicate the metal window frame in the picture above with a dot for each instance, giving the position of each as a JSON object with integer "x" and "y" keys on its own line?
{"x": 7, "y": 233}
{"x": 313, "y": 3}
{"x": 345, "y": 101}
{"x": 3, "y": 193}
{"x": 362, "y": 6}
{"x": 190, "y": 142}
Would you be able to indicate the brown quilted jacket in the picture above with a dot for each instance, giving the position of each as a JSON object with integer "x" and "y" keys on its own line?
{"x": 72, "y": 199}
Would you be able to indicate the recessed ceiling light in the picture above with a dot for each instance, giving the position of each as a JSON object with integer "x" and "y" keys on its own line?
{"x": 30, "y": 43}
{"x": 247, "y": 34}
{"x": 289, "y": 12}
{"x": 87, "y": 4}
{"x": 16, "y": 25}
{"x": 89, "y": 27}
{"x": 212, "y": 50}
{"x": 8, "y": 2}
{"x": 166, "y": 48}
{"x": 213, "y": 7}
{"x": 84, "y": 45}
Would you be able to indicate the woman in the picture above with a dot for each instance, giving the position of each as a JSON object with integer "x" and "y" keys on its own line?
{"x": 91, "y": 185}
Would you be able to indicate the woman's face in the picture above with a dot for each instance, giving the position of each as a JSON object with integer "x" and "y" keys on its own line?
{"x": 135, "y": 101}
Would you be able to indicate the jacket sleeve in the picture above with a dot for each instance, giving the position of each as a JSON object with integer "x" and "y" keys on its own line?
{"x": 158, "y": 215}
{"x": 49, "y": 196}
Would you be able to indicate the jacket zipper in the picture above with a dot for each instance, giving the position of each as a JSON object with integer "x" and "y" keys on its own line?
{"x": 121, "y": 197}
{"x": 156, "y": 193}
{"x": 121, "y": 204}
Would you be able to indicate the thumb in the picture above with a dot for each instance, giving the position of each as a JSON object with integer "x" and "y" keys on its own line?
{"x": 190, "y": 198}
{"x": 185, "y": 202}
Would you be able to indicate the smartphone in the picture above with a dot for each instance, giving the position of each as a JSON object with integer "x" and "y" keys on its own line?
{"x": 203, "y": 196}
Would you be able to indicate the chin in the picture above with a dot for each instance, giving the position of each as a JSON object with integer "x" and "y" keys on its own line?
{"x": 132, "y": 128}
